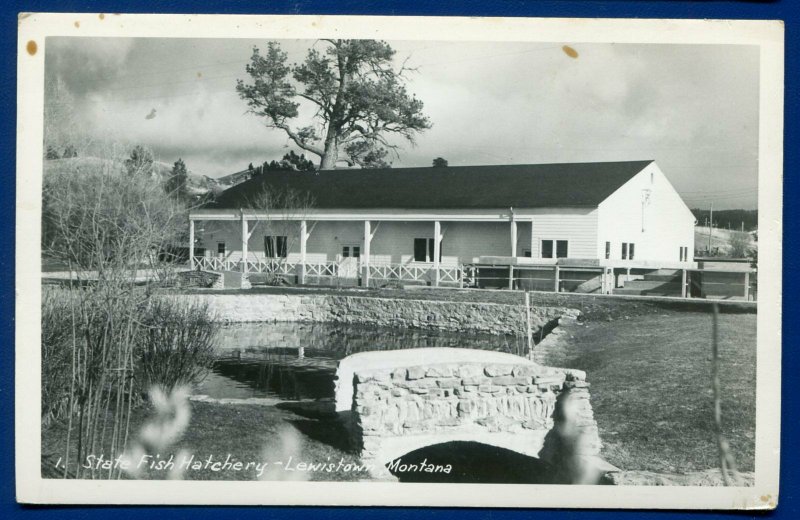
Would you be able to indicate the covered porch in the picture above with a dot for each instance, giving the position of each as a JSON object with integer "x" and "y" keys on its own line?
{"x": 372, "y": 249}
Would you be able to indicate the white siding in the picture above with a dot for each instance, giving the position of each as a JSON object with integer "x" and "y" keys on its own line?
{"x": 658, "y": 228}
{"x": 576, "y": 225}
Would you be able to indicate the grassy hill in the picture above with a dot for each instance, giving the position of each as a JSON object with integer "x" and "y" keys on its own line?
{"x": 197, "y": 183}
{"x": 720, "y": 239}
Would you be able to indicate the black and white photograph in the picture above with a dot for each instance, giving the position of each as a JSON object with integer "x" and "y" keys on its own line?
{"x": 303, "y": 250}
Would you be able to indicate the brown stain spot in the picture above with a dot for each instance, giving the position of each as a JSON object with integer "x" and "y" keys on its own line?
{"x": 199, "y": 74}
{"x": 569, "y": 51}
{"x": 101, "y": 16}
{"x": 32, "y": 47}
{"x": 77, "y": 24}
{"x": 765, "y": 498}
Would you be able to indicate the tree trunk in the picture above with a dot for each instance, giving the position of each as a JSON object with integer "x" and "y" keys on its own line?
{"x": 329, "y": 158}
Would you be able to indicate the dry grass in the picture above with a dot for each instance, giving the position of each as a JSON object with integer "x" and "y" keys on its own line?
{"x": 651, "y": 387}
{"x": 247, "y": 433}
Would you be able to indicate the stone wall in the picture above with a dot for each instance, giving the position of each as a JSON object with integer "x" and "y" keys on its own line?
{"x": 509, "y": 402}
{"x": 385, "y": 312}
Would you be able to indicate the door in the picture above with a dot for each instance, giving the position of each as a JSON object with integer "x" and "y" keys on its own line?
{"x": 348, "y": 264}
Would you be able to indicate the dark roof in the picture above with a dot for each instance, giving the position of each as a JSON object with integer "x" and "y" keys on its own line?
{"x": 452, "y": 187}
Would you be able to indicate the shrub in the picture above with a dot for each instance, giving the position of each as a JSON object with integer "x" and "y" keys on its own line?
{"x": 56, "y": 353}
{"x": 177, "y": 344}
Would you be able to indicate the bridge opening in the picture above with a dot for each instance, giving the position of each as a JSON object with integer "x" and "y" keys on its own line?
{"x": 470, "y": 462}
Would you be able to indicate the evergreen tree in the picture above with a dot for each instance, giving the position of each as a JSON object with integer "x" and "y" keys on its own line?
{"x": 176, "y": 183}
{"x": 360, "y": 96}
{"x": 140, "y": 161}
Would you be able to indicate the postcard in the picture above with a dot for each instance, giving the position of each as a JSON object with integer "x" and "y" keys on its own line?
{"x": 398, "y": 261}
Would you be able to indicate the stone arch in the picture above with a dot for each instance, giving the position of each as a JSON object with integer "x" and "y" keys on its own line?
{"x": 396, "y": 402}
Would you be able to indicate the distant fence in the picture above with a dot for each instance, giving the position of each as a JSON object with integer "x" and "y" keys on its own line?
{"x": 741, "y": 284}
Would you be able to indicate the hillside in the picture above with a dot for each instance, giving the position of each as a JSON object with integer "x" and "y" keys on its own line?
{"x": 197, "y": 184}
{"x": 720, "y": 239}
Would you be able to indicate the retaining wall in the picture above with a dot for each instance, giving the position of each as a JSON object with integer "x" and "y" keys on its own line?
{"x": 490, "y": 318}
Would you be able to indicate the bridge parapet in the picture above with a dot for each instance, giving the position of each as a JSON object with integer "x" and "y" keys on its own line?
{"x": 431, "y": 396}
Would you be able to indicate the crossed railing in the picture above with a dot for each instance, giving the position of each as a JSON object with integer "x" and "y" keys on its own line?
{"x": 413, "y": 272}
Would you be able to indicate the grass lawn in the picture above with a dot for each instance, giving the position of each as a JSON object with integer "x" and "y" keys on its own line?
{"x": 651, "y": 387}
{"x": 247, "y": 433}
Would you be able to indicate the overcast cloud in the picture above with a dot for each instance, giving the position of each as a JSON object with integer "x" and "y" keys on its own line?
{"x": 694, "y": 109}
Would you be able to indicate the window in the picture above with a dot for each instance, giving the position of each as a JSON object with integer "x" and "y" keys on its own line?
{"x": 684, "y": 254}
{"x": 526, "y": 253}
{"x": 221, "y": 248}
{"x": 423, "y": 250}
{"x": 561, "y": 248}
{"x": 275, "y": 246}
{"x": 608, "y": 250}
{"x": 351, "y": 251}
{"x": 627, "y": 250}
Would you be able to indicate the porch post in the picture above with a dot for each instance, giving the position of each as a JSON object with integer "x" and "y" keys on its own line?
{"x": 557, "y": 277}
{"x": 245, "y": 236}
{"x": 301, "y": 266}
{"x": 365, "y": 253}
{"x": 191, "y": 244}
{"x": 437, "y": 236}
{"x": 747, "y": 286}
{"x": 683, "y": 283}
{"x": 513, "y": 236}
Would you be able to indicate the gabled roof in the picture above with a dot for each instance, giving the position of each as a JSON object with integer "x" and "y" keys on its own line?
{"x": 452, "y": 187}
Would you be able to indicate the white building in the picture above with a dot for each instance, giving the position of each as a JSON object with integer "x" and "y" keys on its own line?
{"x": 426, "y": 224}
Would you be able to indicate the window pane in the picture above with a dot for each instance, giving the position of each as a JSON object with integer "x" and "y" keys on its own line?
{"x": 624, "y": 250}
{"x": 526, "y": 253}
{"x": 221, "y": 248}
{"x": 547, "y": 249}
{"x": 346, "y": 252}
{"x": 561, "y": 249}
{"x": 356, "y": 251}
{"x": 269, "y": 247}
{"x": 630, "y": 251}
{"x": 420, "y": 249}
{"x": 281, "y": 246}
{"x": 608, "y": 250}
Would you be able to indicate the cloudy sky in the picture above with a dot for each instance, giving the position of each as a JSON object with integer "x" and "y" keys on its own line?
{"x": 694, "y": 109}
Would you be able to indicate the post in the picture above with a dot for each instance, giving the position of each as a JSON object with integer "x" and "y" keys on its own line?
{"x": 511, "y": 277}
{"x": 366, "y": 253}
{"x": 683, "y": 283}
{"x": 191, "y": 244}
{"x": 557, "y": 276}
{"x": 301, "y": 266}
{"x": 513, "y": 236}
{"x": 747, "y": 285}
{"x": 437, "y": 236}
{"x": 528, "y": 330}
{"x": 245, "y": 236}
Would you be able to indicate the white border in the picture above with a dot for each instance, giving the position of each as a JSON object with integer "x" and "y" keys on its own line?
{"x": 31, "y": 488}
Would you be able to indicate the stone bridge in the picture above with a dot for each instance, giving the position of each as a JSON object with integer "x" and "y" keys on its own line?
{"x": 395, "y": 402}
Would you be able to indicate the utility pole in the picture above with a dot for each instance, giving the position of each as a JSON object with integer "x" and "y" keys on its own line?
{"x": 710, "y": 226}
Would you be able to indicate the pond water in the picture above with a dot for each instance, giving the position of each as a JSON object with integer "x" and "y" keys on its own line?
{"x": 297, "y": 361}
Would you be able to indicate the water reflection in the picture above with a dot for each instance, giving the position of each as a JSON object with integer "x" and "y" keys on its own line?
{"x": 294, "y": 361}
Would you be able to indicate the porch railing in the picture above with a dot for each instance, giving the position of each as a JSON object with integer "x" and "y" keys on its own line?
{"x": 415, "y": 272}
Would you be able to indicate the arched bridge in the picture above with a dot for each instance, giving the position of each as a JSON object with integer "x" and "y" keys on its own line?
{"x": 395, "y": 402}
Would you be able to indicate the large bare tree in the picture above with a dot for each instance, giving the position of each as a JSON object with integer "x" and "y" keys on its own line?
{"x": 359, "y": 94}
